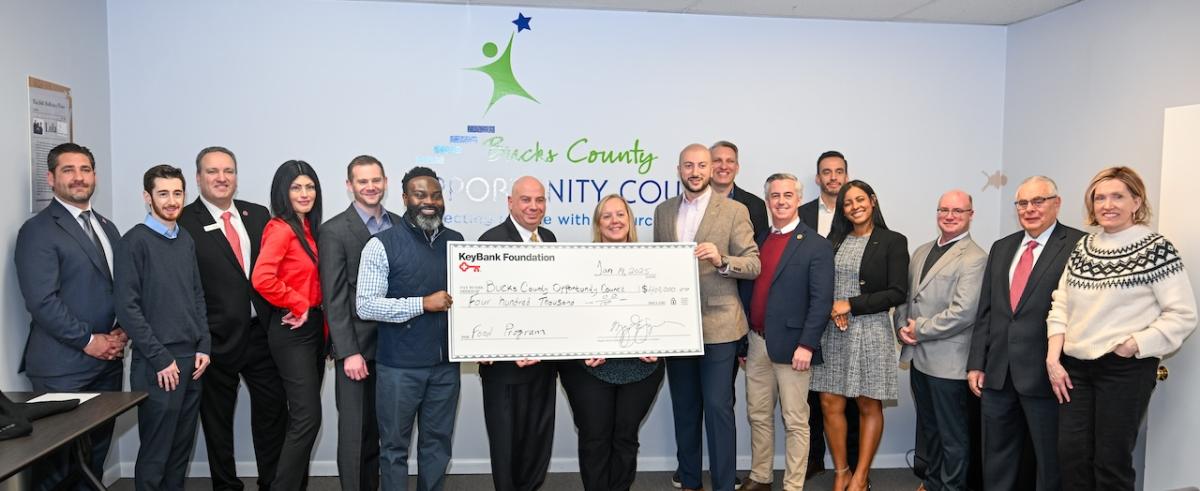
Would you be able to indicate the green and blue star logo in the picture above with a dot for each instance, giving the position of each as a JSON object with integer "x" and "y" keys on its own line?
{"x": 504, "y": 82}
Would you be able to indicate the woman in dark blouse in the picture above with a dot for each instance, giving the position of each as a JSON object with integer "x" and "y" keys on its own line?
{"x": 610, "y": 398}
{"x": 286, "y": 276}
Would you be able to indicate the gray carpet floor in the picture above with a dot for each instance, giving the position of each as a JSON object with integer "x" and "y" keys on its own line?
{"x": 881, "y": 480}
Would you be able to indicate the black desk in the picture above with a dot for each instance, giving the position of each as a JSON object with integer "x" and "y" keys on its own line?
{"x": 72, "y": 427}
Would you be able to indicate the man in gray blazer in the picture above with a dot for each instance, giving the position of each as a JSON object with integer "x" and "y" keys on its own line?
{"x": 702, "y": 387}
{"x": 353, "y": 339}
{"x": 935, "y": 326}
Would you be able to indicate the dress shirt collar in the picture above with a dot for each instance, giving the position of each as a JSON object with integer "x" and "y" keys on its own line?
{"x": 216, "y": 211}
{"x": 821, "y": 206}
{"x": 382, "y": 222}
{"x": 961, "y": 236}
{"x": 700, "y": 201}
{"x": 525, "y": 233}
{"x": 1041, "y": 239}
{"x": 160, "y": 227}
{"x": 74, "y": 210}
{"x": 787, "y": 229}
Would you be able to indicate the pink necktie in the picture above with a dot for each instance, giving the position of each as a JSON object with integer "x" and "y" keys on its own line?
{"x": 235, "y": 241}
{"x": 1021, "y": 275}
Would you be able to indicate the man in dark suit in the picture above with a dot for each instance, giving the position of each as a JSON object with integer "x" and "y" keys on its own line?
{"x": 1007, "y": 364}
{"x": 832, "y": 172}
{"x": 354, "y": 339}
{"x": 64, "y": 266}
{"x": 518, "y": 397}
{"x": 788, "y": 306}
{"x": 725, "y": 167}
{"x": 227, "y": 233}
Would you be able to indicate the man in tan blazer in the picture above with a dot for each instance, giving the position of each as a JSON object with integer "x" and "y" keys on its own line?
{"x": 935, "y": 326}
{"x": 702, "y": 387}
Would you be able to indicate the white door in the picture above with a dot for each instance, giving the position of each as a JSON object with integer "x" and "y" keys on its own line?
{"x": 1174, "y": 420}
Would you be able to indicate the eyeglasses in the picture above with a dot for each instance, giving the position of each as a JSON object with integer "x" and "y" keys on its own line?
{"x": 958, "y": 212}
{"x": 1036, "y": 202}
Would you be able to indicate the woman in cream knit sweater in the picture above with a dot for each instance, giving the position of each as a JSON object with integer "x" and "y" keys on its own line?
{"x": 1124, "y": 301}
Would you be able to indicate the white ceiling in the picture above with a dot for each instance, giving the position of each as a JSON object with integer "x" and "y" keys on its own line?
{"x": 993, "y": 12}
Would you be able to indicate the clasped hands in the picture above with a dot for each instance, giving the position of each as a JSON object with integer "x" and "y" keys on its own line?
{"x": 107, "y": 346}
{"x": 841, "y": 314}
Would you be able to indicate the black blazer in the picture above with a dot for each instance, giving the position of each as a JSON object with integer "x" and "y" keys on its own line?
{"x": 800, "y": 296}
{"x": 507, "y": 371}
{"x": 67, "y": 293}
{"x": 340, "y": 248}
{"x": 227, "y": 290}
{"x": 1007, "y": 342}
{"x": 757, "y": 208}
{"x": 883, "y": 274}
{"x": 809, "y": 212}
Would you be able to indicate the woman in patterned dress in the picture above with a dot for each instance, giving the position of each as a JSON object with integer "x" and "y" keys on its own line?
{"x": 870, "y": 277}
{"x": 1123, "y": 302}
{"x": 609, "y": 399}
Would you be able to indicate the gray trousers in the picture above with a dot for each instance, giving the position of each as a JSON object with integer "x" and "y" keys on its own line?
{"x": 166, "y": 425}
{"x": 358, "y": 430}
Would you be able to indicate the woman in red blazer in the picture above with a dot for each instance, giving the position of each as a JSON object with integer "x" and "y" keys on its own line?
{"x": 286, "y": 276}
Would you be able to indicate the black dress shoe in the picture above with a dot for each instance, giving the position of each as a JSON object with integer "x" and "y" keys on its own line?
{"x": 814, "y": 469}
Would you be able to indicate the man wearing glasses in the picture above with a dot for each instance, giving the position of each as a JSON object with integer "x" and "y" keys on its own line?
{"x": 1007, "y": 365}
{"x": 935, "y": 328}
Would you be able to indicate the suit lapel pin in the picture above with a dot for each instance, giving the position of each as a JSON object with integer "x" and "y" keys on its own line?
{"x": 799, "y": 236}
{"x": 245, "y": 213}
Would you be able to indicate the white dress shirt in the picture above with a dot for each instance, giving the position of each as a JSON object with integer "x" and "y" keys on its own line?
{"x": 75, "y": 211}
{"x": 1037, "y": 251}
{"x": 824, "y": 218}
{"x": 691, "y": 212}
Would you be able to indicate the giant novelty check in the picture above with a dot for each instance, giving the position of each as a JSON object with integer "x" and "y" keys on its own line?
{"x": 562, "y": 301}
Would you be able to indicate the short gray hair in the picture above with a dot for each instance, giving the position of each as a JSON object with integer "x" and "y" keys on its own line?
{"x": 1041, "y": 179}
{"x": 783, "y": 176}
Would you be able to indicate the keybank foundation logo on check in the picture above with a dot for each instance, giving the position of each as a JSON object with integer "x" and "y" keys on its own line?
{"x": 467, "y": 257}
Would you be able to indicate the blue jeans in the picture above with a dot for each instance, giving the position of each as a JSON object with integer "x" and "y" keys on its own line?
{"x": 429, "y": 394}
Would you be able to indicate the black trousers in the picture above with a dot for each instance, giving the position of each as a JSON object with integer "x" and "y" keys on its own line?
{"x": 166, "y": 424}
{"x": 608, "y": 418}
{"x": 1010, "y": 419}
{"x": 358, "y": 430}
{"x": 816, "y": 435}
{"x": 520, "y": 428}
{"x": 268, "y": 411}
{"x": 300, "y": 355}
{"x": 51, "y": 470}
{"x": 1098, "y": 429}
{"x": 943, "y": 435}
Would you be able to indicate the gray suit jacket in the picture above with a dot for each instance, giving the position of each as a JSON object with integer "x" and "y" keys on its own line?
{"x": 943, "y": 306}
{"x": 726, "y": 224}
{"x": 340, "y": 246}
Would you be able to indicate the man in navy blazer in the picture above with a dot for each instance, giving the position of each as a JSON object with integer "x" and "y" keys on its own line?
{"x": 64, "y": 266}
{"x": 788, "y": 306}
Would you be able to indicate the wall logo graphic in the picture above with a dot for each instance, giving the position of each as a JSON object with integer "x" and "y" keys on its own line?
{"x": 504, "y": 82}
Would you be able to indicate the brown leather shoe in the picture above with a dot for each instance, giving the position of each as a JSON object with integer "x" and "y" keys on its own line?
{"x": 752, "y": 485}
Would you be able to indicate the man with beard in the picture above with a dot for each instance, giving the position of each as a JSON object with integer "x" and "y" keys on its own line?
{"x": 702, "y": 386}
{"x": 228, "y": 233}
{"x": 402, "y": 286}
{"x": 832, "y": 172}
{"x": 518, "y": 397}
{"x": 160, "y": 302}
{"x": 64, "y": 266}
{"x": 353, "y": 339}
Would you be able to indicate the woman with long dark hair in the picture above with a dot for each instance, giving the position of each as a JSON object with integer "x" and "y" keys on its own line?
{"x": 286, "y": 276}
{"x": 870, "y": 277}
{"x": 610, "y": 398}
{"x": 1123, "y": 302}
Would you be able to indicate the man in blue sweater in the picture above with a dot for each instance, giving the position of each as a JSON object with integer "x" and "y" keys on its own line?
{"x": 402, "y": 285}
{"x": 160, "y": 303}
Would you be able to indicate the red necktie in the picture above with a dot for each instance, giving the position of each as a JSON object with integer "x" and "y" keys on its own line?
{"x": 1021, "y": 275}
{"x": 235, "y": 241}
